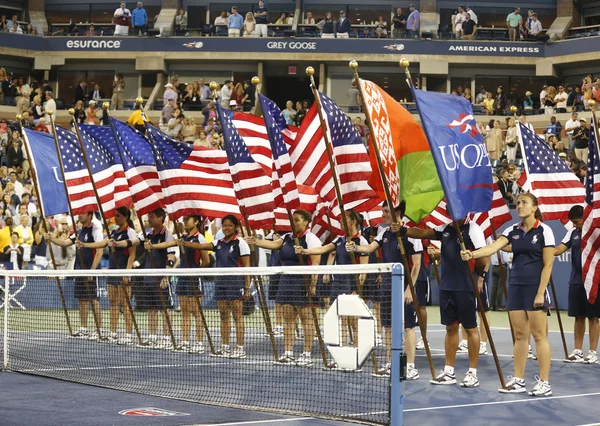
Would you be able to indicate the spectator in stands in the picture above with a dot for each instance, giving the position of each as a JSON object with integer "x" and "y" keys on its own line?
{"x": 30, "y": 30}
{"x": 552, "y": 141}
{"x": 193, "y": 98}
{"x": 581, "y": 172}
{"x": 481, "y": 96}
{"x": 511, "y": 141}
{"x": 14, "y": 155}
{"x": 41, "y": 126}
{"x": 300, "y": 113}
{"x": 225, "y": 94}
{"x": 512, "y": 23}
{"x": 235, "y": 23}
{"x": 4, "y": 24}
{"x": 528, "y": 103}
{"x": 467, "y": 95}
{"x": 11, "y": 21}
{"x": 488, "y": 104}
{"x": 500, "y": 101}
{"x": 122, "y": 20}
{"x": 587, "y": 88}
{"x": 23, "y": 102}
{"x": 249, "y": 26}
{"x": 581, "y": 136}
{"x": 97, "y": 94}
{"x": 15, "y": 29}
{"x": 343, "y": 26}
{"x": 221, "y": 19}
{"x": 205, "y": 92}
{"x": 472, "y": 14}
{"x": 118, "y": 96}
{"x": 282, "y": 19}
{"x": 79, "y": 115}
{"x": 188, "y": 131}
{"x": 238, "y": 94}
{"x": 554, "y": 128}
{"x": 353, "y": 97}
{"x": 202, "y": 140}
{"x": 14, "y": 252}
{"x": 167, "y": 111}
{"x": 468, "y": 28}
{"x": 309, "y": 20}
{"x": 596, "y": 92}
{"x": 366, "y": 33}
{"x": 249, "y": 96}
{"x": 570, "y": 127}
{"x": 81, "y": 93}
{"x": 327, "y": 26}
{"x": 139, "y": 19}
{"x": 561, "y": 100}
{"x": 494, "y": 141}
{"x": 50, "y": 106}
{"x": 505, "y": 186}
{"x": 262, "y": 20}
{"x": 459, "y": 18}
{"x": 91, "y": 114}
{"x": 413, "y": 23}
{"x": 175, "y": 124}
{"x": 535, "y": 29}
{"x": 91, "y": 32}
{"x": 181, "y": 23}
{"x": 289, "y": 113}
{"x": 399, "y": 24}
{"x": 381, "y": 27}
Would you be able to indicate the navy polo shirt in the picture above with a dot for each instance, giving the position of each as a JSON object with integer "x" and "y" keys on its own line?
{"x": 121, "y": 253}
{"x": 191, "y": 254}
{"x": 160, "y": 256}
{"x": 527, "y": 248}
{"x": 388, "y": 241}
{"x": 287, "y": 253}
{"x": 229, "y": 253}
{"x": 573, "y": 241}
{"x": 366, "y": 233}
{"x": 90, "y": 234}
{"x": 455, "y": 272}
{"x": 342, "y": 257}
{"x": 261, "y": 19}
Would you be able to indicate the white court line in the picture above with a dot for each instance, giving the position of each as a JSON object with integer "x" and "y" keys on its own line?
{"x": 517, "y": 401}
{"x": 255, "y": 422}
{"x": 591, "y": 424}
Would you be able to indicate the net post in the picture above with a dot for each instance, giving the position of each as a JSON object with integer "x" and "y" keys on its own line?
{"x": 396, "y": 396}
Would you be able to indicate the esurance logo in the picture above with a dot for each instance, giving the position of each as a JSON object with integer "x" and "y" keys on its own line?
{"x": 93, "y": 44}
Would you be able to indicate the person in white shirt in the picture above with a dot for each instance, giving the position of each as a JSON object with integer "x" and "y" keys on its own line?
{"x": 309, "y": 20}
{"x": 122, "y": 18}
{"x": 459, "y": 18}
{"x": 570, "y": 126}
{"x": 472, "y": 14}
{"x": 15, "y": 29}
{"x": 226, "y": 93}
{"x": 543, "y": 94}
{"x": 536, "y": 26}
{"x": 170, "y": 93}
{"x": 50, "y": 105}
{"x": 561, "y": 100}
{"x": 221, "y": 19}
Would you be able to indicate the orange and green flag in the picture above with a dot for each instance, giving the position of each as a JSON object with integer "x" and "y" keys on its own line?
{"x": 407, "y": 162}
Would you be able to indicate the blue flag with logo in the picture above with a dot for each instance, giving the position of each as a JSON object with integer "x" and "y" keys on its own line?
{"x": 52, "y": 196}
{"x": 459, "y": 152}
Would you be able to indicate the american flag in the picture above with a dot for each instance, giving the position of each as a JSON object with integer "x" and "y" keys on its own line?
{"x": 307, "y": 201}
{"x": 140, "y": 169}
{"x": 285, "y": 188}
{"x": 374, "y": 217}
{"x": 195, "y": 180}
{"x": 250, "y": 183}
{"x": 254, "y": 133}
{"x": 590, "y": 233}
{"x": 548, "y": 177}
{"x": 325, "y": 225}
{"x": 107, "y": 171}
{"x": 311, "y": 165}
{"x": 79, "y": 185}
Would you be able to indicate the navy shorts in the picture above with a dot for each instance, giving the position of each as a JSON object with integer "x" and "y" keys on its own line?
{"x": 579, "y": 305}
{"x": 293, "y": 290}
{"x": 229, "y": 288}
{"x": 458, "y": 307}
{"x": 323, "y": 290}
{"x": 385, "y": 295}
{"x": 273, "y": 286}
{"x": 423, "y": 289}
{"x": 116, "y": 281}
{"x": 521, "y": 297}
{"x": 153, "y": 292}
{"x": 371, "y": 288}
{"x": 342, "y": 284}
{"x": 86, "y": 290}
{"x": 189, "y": 286}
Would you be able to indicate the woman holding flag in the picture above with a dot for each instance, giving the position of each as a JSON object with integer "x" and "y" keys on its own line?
{"x": 293, "y": 294}
{"x": 533, "y": 255}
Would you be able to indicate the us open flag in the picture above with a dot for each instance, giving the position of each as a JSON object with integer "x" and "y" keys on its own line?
{"x": 548, "y": 177}
{"x": 250, "y": 183}
{"x": 44, "y": 162}
{"x": 459, "y": 152}
{"x": 590, "y": 233}
{"x": 195, "y": 180}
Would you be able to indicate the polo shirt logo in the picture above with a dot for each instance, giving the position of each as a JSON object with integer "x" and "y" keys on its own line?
{"x": 231, "y": 249}
{"x": 219, "y": 247}
{"x": 385, "y": 240}
{"x": 446, "y": 234}
{"x": 575, "y": 237}
{"x": 516, "y": 237}
{"x": 534, "y": 240}
{"x": 85, "y": 237}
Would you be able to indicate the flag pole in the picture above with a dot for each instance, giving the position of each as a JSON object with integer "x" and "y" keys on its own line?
{"x": 262, "y": 300}
{"x": 503, "y": 279}
{"x": 354, "y": 66}
{"x": 62, "y": 171}
{"x": 45, "y": 226}
{"x": 513, "y": 109}
{"x": 166, "y": 318}
{"x": 404, "y": 63}
{"x": 310, "y": 71}
{"x": 104, "y": 223}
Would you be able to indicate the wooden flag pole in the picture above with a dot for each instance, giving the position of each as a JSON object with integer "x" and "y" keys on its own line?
{"x": 404, "y": 63}
{"x": 163, "y": 302}
{"x": 104, "y": 223}
{"x": 392, "y": 207}
{"x": 45, "y": 226}
{"x": 95, "y": 314}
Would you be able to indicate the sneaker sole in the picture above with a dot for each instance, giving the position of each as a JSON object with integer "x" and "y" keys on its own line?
{"x": 413, "y": 378}
{"x": 590, "y": 363}
{"x": 522, "y": 390}
{"x": 568, "y": 361}
{"x": 446, "y": 382}
{"x": 381, "y": 376}
{"x": 469, "y": 386}
{"x": 546, "y": 394}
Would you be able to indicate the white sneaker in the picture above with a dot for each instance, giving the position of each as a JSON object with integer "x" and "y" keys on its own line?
{"x": 163, "y": 343}
{"x": 197, "y": 348}
{"x": 93, "y": 336}
{"x": 184, "y": 347}
{"x": 224, "y": 352}
{"x": 420, "y": 344}
{"x": 82, "y": 333}
{"x": 239, "y": 352}
{"x": 463, "y": 348}
{"x": 112, "y": 338}
{"x": 470, "y": 381}
{"x": 530, "y": 354}
{"x": 541, "y": 388}
{"x": 305, "y": 361}
{"x": 278, "y": 331}
{"x": 575, "y": 357}
{"x": 286, "y": 359}
{"x": 514, "y": 385}
{"x": 379, "y": 341}
{"x": 591, "y": 358}
{"x": 444, "y": 379}
{"x": 412, "y": 373}
{"x": 383, "y": 372}
{"x": 483, "y": 349}
{"x": 127, "y": 340}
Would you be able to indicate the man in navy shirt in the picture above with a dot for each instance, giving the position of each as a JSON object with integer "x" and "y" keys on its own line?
{"x": 262, "y": 20}
{"x": 343, "y": 25}
{"x": 458, "y": 303}
{"x": 85, "y": 288}
{"x": 579, "y": 307}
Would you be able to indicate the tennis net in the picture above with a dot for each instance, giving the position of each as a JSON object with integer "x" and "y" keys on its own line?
{"x": 212, "y": 346}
